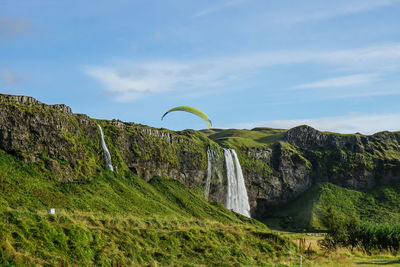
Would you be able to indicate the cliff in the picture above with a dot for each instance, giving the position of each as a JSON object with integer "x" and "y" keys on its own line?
{"x": 68, "y": 144}
{"x": 278, "y": 165}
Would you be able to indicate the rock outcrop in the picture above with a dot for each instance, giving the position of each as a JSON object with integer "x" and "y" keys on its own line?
{"x": 354, "y": 161}
{"x": 285, "y": 175}
{"x": 305, "y": 156}
{"x": 68, "y": 143}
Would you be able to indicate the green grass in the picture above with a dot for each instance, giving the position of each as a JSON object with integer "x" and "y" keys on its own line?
{"x": 94, "y": 239}
{"x": 113, "y": 216}
{"x": 380, "y": 205}
{"x": 257, "y": 137}
{"x": 241, "y": 140}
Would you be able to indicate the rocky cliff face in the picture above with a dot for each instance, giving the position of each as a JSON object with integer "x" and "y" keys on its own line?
{"x": 148, "y": 151}
{"x": 68, "y": 146}
{"x": 354, "y": 161}
{"x": 39, "y": 132}
{"x": 284, "y": 175}
{"x": 304, "y": 156}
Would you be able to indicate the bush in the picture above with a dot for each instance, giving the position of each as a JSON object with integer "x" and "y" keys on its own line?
{"x": 351, "y": 233}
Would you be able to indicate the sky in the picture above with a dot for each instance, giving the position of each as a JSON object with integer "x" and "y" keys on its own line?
{"x": 333, "y": 65}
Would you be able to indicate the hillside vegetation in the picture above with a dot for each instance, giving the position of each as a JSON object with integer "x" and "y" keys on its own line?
{"x": 257, "y": 137}
{"x": 114, "y": 217}
{"x": 151, "y": 209}
{"x": 310, "y": 210}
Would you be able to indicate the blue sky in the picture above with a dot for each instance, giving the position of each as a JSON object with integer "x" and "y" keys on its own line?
{"x": 334, "y": 65}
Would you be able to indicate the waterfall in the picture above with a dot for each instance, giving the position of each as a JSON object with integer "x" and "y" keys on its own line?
{"x": 209, "y": 169}
{"x": 107, "y": 156}
{"x": 236, "y": 198}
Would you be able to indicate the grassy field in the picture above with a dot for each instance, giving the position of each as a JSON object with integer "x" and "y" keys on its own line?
{"x": 121, "y": 218}
{"x": 313, "y": 255}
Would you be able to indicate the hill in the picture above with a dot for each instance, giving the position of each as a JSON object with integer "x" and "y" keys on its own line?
{"x": 121, "y": 218}
{"x": 278, "y": 165}
{"x": 354, "y": 174}
{"x": 257, "y": 137}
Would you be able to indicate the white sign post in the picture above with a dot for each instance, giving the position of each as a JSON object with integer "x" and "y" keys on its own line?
{"x": 51, "y": 211}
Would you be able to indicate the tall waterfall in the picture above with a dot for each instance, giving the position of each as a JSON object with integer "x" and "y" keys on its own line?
{"x": 236, "y": 198}
{"x": 107, "y": 156}
{"x": 209, "y": 169}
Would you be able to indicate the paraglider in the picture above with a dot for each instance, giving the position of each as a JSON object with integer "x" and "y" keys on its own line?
{"x": 192, "y": 110}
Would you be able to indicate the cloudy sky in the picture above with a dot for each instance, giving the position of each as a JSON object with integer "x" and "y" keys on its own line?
{"x": 334, "y": 65}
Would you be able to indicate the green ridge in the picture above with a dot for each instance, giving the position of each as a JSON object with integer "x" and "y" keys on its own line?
{"x": 257, "y": 137}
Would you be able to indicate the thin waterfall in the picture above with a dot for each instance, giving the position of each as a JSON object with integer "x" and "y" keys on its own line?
{"x": 209, "y": 169}
{"x": 236, "y": 199}
{"x": 107, "y": 156}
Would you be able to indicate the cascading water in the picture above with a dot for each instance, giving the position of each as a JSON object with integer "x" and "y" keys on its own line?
{"x": 209, "y": 169}
{"x": 107, "y": 156}
{"x": 236, "y": 198}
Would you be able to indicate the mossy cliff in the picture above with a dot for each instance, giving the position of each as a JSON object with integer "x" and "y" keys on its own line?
{"x": 68, "y": 145}
{"x": 353, "y": 161}
{"x": 278, "y": 165}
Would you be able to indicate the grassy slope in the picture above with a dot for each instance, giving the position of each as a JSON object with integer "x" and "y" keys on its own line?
{"x": 378, "y": 205}
{"x": 257, "y": 137}
{"x": 120, "y": 217}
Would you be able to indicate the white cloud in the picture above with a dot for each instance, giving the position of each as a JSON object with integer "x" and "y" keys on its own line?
{"x": 385, "y": 55}
{"x": 365, "y": 5}
{"x": 134, "y": 80}
{"x": 333, "y": 9}
{"x": 358, "y": 57}
{"x": 343, "y": 81}
{"x": 350, "y": 123}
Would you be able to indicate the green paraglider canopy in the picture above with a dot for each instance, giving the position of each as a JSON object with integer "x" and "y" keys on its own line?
{"x": 192, "y": 110}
